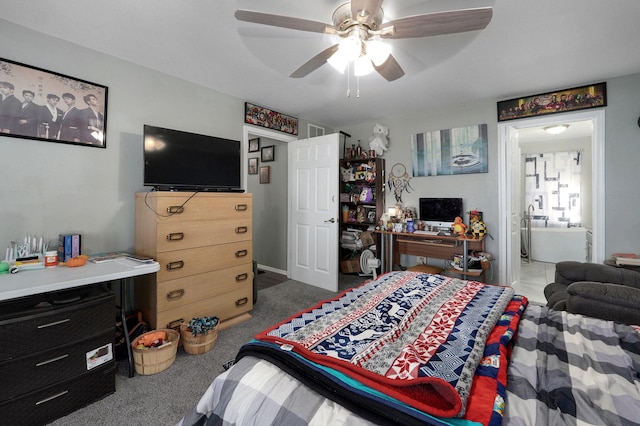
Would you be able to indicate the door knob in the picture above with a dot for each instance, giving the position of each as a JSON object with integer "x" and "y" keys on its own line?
{"x": 332, "y": 220}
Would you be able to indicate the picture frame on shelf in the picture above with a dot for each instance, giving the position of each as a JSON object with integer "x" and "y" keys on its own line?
{"x": 254, "y": 145}
{"x": 265, "y": 174}
{"x": 59, "y": 108}
{"x": 253, "y": 166}
{"x": 267, "y": 153}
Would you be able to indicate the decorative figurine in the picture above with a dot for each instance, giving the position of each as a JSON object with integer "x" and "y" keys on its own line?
{"x": 459, "y": 226}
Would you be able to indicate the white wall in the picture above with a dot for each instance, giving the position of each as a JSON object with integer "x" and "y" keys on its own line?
{"x": 49, "y": 188}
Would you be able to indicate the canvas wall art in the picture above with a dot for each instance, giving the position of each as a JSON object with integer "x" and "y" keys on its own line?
{"x": 460, "y": 150}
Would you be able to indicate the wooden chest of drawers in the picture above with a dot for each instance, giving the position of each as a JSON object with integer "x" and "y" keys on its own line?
{"x": 203, "y": 243}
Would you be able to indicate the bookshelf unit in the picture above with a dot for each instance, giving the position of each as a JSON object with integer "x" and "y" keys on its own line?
{"x": 362, "y": 194}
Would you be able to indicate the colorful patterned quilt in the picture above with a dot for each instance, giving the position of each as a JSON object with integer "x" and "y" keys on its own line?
{"x": 416, "y": 338}
{"x": 275, "y": 381}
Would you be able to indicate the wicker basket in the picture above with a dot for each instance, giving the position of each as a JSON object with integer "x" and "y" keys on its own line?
{"x": 155, "y": 360}
{"x": 196, "y": 345}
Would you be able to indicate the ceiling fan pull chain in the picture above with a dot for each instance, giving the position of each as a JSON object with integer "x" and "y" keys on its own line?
{"x": 348, "y": 80}
{"x": 357, "y": 86}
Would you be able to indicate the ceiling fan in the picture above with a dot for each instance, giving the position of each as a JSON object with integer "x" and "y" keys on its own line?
{"x": 360, "y": 26}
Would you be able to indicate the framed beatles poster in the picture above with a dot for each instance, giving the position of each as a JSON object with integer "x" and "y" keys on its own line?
{"x": 45, "y": 105}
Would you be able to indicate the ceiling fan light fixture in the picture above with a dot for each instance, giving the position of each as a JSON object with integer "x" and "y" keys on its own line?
{"x": 556, "y": 129}
{"x": 362, "y": 66}
{"x": 350, "y": 47}
{"x": 338, "y": 61}
{"x": 378, "y": 51}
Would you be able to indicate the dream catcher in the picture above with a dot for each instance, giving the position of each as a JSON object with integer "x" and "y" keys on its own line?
{"x": 399, "y": 180}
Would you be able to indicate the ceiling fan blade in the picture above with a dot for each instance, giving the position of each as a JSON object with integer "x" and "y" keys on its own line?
{"x": 284, "y": 22}
{"x": 390, "y": 69}
{"x": 314, "y": 63}
{"x": 364, "y": 11}
{"x": 431, "y": 24}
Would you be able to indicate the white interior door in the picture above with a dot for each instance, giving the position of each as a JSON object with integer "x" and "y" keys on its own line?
{"x": 313, "y": 211}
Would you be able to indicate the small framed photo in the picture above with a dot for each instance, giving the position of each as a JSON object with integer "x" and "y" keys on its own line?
{"x": 253, "y": 166}
{"x": 267, "y": 154}
{"x": 265, "y": 172}
{"x": 254, "y": 145}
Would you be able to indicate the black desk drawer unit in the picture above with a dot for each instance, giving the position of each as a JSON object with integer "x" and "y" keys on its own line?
{"x": 47, "y": 404}
{"x": 56, "y": 353}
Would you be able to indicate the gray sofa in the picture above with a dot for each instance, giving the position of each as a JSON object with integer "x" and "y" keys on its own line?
{"x": 596, "y": 290}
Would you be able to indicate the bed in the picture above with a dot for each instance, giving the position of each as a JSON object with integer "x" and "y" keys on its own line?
{"x": 411, "y": 348}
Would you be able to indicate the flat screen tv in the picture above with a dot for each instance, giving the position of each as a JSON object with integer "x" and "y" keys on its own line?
{"x": 175, "y": 160}
{"x": 440, "y": 212}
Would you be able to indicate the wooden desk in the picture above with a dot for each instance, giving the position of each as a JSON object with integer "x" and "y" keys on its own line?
{"x": 39, "y": 281}
{"x": 394, "y": 244}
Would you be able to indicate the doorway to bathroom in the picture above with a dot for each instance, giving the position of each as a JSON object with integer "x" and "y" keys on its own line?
{"x": 522, "y": 139}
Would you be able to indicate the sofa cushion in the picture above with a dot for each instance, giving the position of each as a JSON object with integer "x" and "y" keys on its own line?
{"x": 608, "y": 301}
{"x": 569, "y": 272}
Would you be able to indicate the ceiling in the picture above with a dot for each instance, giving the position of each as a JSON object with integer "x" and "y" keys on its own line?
{"x": 528, "y": 47}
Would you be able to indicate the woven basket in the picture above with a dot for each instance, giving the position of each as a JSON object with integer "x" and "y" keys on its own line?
{"x": 155, "y": 360}
{"x": 196, "y": 345}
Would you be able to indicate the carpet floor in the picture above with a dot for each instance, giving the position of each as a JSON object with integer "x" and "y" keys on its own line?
{"x": 163, "y": 398}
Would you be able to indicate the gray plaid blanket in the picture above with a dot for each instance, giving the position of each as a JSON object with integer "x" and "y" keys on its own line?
{"x": 573, "y": 370}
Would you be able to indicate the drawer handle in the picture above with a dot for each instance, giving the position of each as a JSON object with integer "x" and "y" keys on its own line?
{"x": 242, "y": 229}
{"x": 241, "y": 207}
{"x": 49, "y": 361}
{"x": 241, "y": 253}
{"x": 175, "y": 236}
{"x": 242, "y": 277}
{"x": 171, "y": 266}
{"x": 175, "y": 294}
{"x": 241, "y": 302}
{"x": 51, "y": 324}
{"x": 175, "y": 209}
{"x": 58, "y": 395}
{"x": 175, "y": 324}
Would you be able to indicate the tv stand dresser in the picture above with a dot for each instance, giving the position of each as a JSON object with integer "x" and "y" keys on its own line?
{"x": 203, "y": 243}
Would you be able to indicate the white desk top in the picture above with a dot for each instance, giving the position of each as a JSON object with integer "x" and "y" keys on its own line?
{"x": 27, "y": 283}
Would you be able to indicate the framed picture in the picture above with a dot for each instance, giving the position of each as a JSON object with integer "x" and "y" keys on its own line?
{"x": 253, "y": 166}
{"x": 460, "y": 150}
{"x": 265, "y": 172}
{"x": 44, "y": 105}
{"x": 254, "y": 145}
{"x": 260, "y": 116}
{"x": 267, "y": 154}
{"x": 592, "y": 96}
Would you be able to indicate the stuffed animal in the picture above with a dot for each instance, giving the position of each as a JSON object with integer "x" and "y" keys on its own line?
{"x": 459, "y": 226}
{"x": 366, "y": 195}
{"x": 378, "y": 142}
{"x": 347, "y": 174}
